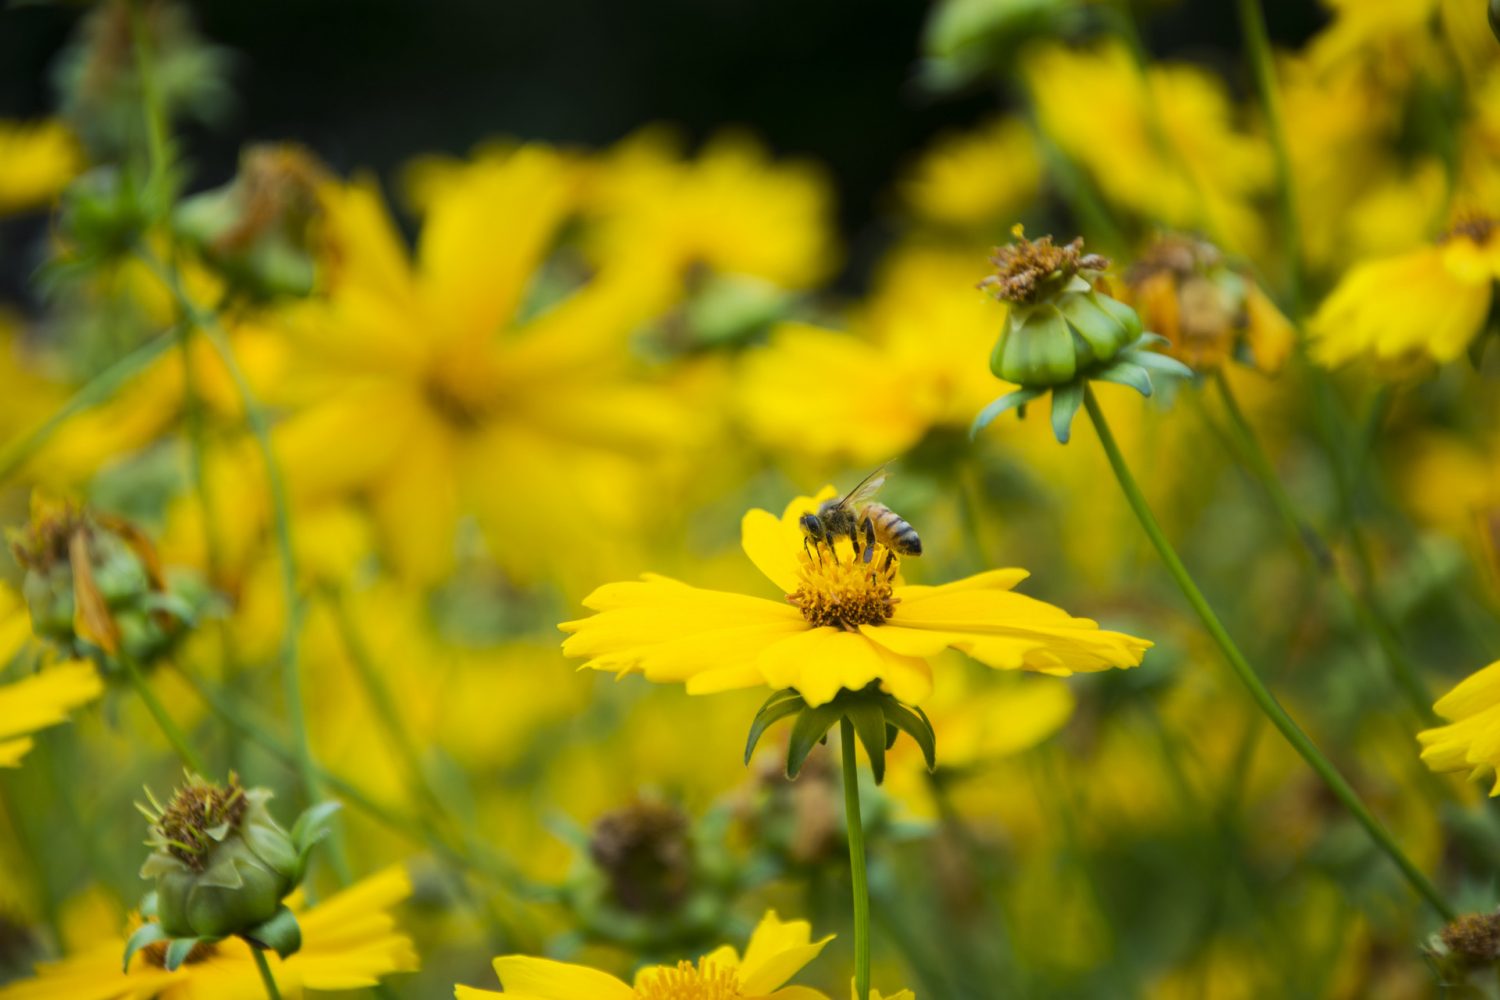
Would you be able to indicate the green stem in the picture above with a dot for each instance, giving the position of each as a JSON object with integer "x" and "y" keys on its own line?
{"x": 156, "y": 119}
{"x": 272, "y": 992}
{"x": 1262, "y": 695}
{"x": 855, "y": 825}
{"x": 1258, "y": 42}
{"x": 158, "y": 712}
{"x": 1371, "y": 616}
{"x": 94, "y": 392}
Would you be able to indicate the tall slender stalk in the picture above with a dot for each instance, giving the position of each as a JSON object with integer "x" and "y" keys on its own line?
{"x": 857, "y": 874}
{"x": 164, "y": 722}
{"x": 1246, "y": 673}
{"x": 272, "y": 992}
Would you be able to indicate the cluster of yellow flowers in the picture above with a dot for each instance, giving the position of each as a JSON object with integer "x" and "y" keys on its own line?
{"x": 294, "y": 497}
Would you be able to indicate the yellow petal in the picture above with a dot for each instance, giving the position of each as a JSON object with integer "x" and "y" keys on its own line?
{"x": 45, "y": 699}
{"x": 549, "y": 980}
{"x": 777, "y": 951}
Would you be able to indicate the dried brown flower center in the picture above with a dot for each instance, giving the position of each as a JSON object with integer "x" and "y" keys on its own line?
{"x": 1175, "y": 254}
{"x": 1027, "y": 270}
{"x": 847, "y": 592}
{"x": 1474, "y": 937}
{"x": 645, "y": 852}
{"x": 44, "y": 542}
{"x": 186, "y": 826}
{"x": 1476, "y": 229}
{"x": 156, "y": 954}
{"x": 704, "y": 981}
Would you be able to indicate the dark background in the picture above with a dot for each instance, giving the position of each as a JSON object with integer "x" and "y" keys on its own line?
{"x": 369, "y": 83}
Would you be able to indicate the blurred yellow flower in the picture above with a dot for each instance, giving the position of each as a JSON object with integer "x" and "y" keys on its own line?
{"x": 845, "y": 624}
{"x": 1160, "y": 141}
{"x": 1423, "y": 305}
{"x": 975, "y": 178}
{"x": 777, "y": 951}
{"x": 349, "y": 941}
{"x": 37, "y": 160}
{"x": 732, "y": 210}
{"x": 915, "y": 360}
{"x": 432, "y": 392}
{"x": 1471, "y": 740}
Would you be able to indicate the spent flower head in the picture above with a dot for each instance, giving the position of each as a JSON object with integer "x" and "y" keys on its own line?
{"x": 1062, "y": 329}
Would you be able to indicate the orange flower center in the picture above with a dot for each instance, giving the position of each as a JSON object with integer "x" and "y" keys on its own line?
{"x": 704, "y": 981}
{"x": 847, "y": 592}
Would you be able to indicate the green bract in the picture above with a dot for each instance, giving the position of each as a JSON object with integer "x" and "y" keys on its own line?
{"x": 1050, "y": 342}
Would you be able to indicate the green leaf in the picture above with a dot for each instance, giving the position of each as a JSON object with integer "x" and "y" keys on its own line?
{"x": 914, "y": 722}
{"x": 1066, "y": 399}
{"x": 777, "y": 707}
{"x": 811, "y": 726}
{"x": 1009, "y": 401}
{"x": 280, "y": 934}
{"x": 178, "y": 952}
{"x": 147, "y": 934}
{"x": 869, "y": 725}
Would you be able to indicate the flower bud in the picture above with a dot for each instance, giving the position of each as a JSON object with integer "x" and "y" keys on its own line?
{"x": 93, "y": 581}
{"x": 1209, "y": 311}
{"x": 1057, "y": 323}
{"x": 645, "y": 853}
{"x": 1467, "y": 947}
{"x": 257, "y": 229}
{"x": 221, "y": 863}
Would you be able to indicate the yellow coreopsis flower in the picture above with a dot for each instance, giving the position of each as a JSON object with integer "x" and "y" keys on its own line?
{"x": 1423, "y": 305}
{"x": 349, "y": 941}
{"x": 975, "y": 178}
{"x": 1160, "y": 141}
{"x": 37, "y": 160}
{"x": 40, "y": 700}
{"x": 431, "y": 392}
{"x": 732, "y": 210}
{"x": 846, "y": 622}
{"x": 777, "y": 951}
{"x": 1471, "y": 740}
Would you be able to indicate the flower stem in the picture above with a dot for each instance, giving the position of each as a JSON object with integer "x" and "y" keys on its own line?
{"x": 272, "y": 992}
{"x": 856, "y": 828}
{"x": 1365, "y": 607}
{"x": 1262, "y": 695}
{"x": 94, "y": 392}
{"x": 158, "y": 712}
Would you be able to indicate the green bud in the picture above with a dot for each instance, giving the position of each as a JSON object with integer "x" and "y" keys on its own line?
{"x": 221, "y": 863}
{"x": 103, "y": 213}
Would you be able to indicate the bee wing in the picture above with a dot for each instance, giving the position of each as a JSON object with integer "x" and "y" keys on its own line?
{"x": 866, "y": 490}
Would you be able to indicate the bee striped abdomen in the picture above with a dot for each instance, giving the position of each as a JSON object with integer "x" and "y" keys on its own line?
{"x": 893, "y": 531}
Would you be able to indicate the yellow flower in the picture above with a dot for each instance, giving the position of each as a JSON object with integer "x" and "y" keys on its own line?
{"x": 975, "y": 178}
{"x": 42, "y": 699}
{"x": 1471, "y": 740}
{"x": 349, "y": 942}
{"x": 430, "y": 390}
{"x": 877, "y": 995}
{"x": 897, "y": 380}
{"x": 844, "y": 624}
{"x": 1161, "y": 142}
{"x": 37, "y": 160}
{"x": 731, "y": 210}
{"x": 777, "y": 951}
{"x": 1426, "y": 304}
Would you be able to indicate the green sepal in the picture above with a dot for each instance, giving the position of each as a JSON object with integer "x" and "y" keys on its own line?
{"x": 1066, "y": 399}
{"x": 777, "y": 707}
{"x": 912, "y": 721}
{"x": 179, "y": 950}
{"x": 150, "y": 902}
{"x": 281, "y": 934}
{"x": 1009, "y": 401}
{"x": 148, "y": 933}
{"x": 1126, "y": 373}
{"x": 311, "y": 827}
{"x": 865, "y": 715}
{"x": 810, "y": 729}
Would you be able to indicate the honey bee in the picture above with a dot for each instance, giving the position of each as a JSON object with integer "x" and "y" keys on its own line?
{"x": 858, "y": 513}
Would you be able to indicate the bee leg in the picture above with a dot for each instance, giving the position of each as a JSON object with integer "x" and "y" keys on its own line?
{"x": 869, "y": 540}
{"x": 890, "y": 557}
{"x": 815, "y": 550}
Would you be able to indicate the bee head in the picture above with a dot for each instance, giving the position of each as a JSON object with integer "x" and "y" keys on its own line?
{"x": 812, "y": 527}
